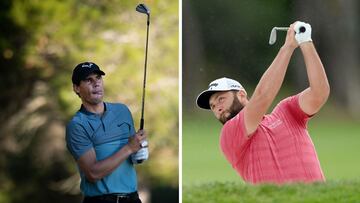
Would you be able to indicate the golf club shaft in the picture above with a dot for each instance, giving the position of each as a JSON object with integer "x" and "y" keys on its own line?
{"x": 144, "y": 82}
{"x": 282, "y": 28}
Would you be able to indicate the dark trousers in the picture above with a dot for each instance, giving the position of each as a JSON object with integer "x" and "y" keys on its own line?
{"x": 113, "y": 198}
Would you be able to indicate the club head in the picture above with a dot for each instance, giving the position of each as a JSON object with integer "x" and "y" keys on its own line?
{"x": 141, "y": 8}
{"x": 273, "y": 34}
{"x": 272, "y": 38}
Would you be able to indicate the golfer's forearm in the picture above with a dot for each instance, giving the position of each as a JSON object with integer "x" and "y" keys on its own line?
{"x": 319, "y": 85}
{"x": 104, "y": 167}
{"x": 267, "y": 89}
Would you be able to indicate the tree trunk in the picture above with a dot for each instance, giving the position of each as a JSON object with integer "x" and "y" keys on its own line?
{"x": 192, "y": 81}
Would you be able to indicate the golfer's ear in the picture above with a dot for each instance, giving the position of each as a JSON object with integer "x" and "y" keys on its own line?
{"x": 76, "y": 88}
{"x": 242, "y": 96}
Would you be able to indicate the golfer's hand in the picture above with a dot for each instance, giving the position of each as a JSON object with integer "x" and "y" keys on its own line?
{"x": 290, "y": 40}
{"x": 302, "y": 32}
{"x": 141, "y": 155}
{"x": 136, "y": 140}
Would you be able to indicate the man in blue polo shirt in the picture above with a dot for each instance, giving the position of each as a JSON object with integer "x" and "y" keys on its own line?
{"x": 102, "y": 139}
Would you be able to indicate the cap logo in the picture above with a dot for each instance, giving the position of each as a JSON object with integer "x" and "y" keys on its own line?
{"x": 236, "y": 86}
{"x": 87, "y": 65}
{"x": 213, "y": 85}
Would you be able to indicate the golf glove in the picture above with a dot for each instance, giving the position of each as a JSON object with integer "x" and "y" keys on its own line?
{"x": 141, "y": 155}
{"x": 302, "y": 32}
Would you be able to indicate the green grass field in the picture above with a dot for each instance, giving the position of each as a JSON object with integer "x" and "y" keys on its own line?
{"x": 331, "y": 192}
{"x": 202, "y": 160}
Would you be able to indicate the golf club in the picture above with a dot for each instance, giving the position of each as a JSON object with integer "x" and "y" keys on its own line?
{"x": 141, "y": 8}
{"x": 272, "y": 38}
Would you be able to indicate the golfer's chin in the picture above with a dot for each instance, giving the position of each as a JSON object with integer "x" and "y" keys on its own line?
{"x": 224, "y": 117}
{"x": 97, "y": 99}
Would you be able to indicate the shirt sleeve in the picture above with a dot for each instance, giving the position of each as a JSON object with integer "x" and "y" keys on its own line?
{"x": 292, "y": 108}
{"x": 77, "y": 139}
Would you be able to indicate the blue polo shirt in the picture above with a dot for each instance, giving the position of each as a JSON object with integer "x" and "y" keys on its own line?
{"x": 107, "y": 134}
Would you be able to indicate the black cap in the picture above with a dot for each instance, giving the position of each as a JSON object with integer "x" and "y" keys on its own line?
{"x": 82, "y": 70}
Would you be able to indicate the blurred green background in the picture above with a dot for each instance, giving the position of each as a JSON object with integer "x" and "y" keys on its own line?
{"x": 40, "y": 44}
{"x": 230, "y": 39}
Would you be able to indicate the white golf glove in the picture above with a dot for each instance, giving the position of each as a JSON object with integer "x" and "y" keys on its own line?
{"x": 141, "y": 155}
{"x": 302, "y": 32}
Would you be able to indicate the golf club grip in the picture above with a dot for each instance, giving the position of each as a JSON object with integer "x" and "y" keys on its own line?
{"x": 141, "y": 123}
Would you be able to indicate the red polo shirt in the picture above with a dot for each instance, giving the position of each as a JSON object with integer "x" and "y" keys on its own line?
{"x": 279, "y": 151}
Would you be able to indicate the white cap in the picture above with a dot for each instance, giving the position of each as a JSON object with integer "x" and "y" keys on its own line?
{"x": 218, "y": 85}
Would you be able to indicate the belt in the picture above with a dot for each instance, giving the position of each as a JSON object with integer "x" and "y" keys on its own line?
{"x": 116, "y": 197}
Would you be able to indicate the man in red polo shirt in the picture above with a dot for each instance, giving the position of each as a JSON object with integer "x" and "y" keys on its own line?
{"x": 272, "y": 148}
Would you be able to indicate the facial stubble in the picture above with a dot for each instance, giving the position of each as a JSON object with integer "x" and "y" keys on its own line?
{"x": 234, "y": 109}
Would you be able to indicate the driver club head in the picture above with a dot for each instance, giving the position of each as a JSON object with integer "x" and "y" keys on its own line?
{"x": 143, "y": 9}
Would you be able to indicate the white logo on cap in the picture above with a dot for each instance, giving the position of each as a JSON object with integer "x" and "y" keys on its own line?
{"x": 87, "y": 65}
{"x": 213, "y": 84}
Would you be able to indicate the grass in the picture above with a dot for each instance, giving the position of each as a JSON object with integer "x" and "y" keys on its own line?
{"x": 336, "y": 141}
{"x": 330, "y": 192}
{"x": 337, "y": 145}
{"x": 202, "y": 159}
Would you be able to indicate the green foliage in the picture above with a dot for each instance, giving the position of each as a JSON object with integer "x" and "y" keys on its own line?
{"x": 43, "y": 43}
{"x": 229, "y": 192}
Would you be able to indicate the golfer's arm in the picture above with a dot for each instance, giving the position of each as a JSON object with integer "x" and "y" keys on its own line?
{"x": 267, "y": 89}
{"x": 95, "y": 170}
{"x": 315, "y": 96}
